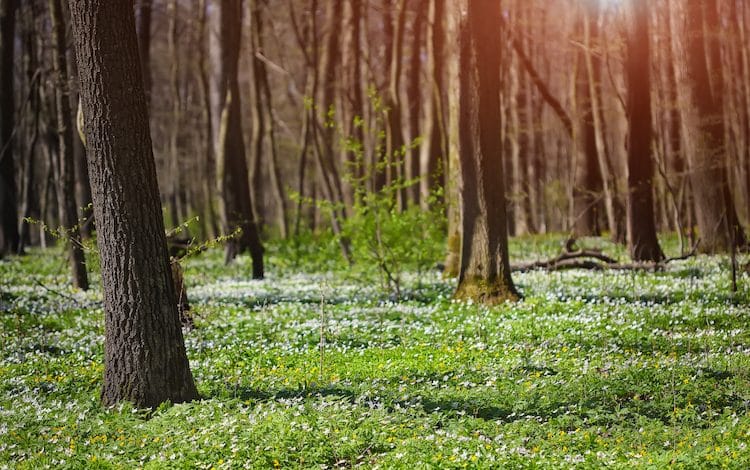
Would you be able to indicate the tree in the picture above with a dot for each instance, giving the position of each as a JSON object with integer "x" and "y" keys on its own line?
{"x": 703, "y": 130}
{"x": 144, "y": 353}
{"x": 588, "y": 178}
{"x": 234, "y": 185}
{"x": 66, "y": 195}
{"x": 9, "y": 238}
{"x": 642, "y": 240}
{"x": 484, "y": 273}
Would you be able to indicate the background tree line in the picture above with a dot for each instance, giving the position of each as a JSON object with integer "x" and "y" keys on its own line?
{"x": 614, "y": 116}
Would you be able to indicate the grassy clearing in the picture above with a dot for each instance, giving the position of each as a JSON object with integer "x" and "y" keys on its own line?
{"x": 627, "y": 370}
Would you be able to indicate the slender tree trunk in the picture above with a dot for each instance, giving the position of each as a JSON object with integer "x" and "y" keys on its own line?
{"x": 265, "y": 112}
{"x": 144, "y": 352}
{"x": 588, "y": 179}
{"x": 29, "y": 204}
{"x": 642, "y": 239}
{"x": 258, "y": 115}
{"x": 175, "y": 172}
{"x": 485, "y": 268}
{"x": 395, "y": 144}
{"x": 452, "y": 172}
{"x": 414, "y": 96}
{"x": 434, "y": 147}
{"x": 232, "y": 164}
{"x": 209, "y": 162}
{"x": 9, "y": 236}
{"x": 66, "y": 196}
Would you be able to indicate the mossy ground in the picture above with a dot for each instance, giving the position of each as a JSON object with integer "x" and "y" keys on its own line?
{"x": 591, "y": 369}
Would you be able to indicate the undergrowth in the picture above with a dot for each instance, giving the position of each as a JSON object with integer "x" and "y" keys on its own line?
{"x": 592, "y": 369}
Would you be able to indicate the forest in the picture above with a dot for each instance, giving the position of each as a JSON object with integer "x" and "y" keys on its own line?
{"x": 374, "y": 234}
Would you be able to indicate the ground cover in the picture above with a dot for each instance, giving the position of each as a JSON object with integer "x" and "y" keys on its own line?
{"x": 619, "y": 369}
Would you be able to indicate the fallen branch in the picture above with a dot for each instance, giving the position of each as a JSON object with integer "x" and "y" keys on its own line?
{"x": 593, "y": 260}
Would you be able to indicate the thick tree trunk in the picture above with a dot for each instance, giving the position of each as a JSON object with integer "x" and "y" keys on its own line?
{"x": 66, "y": 196}
{"x": 9, "y": 237}
{"x": 144, "y": 352}
{"x": 703, "y": 128}
{"x": 485, "y": 269}
{"x": 642, "y": 239}
{"x": 232, "y": 163}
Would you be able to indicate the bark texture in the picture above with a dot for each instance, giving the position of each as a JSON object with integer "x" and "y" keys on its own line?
{"x": 144, "y": 352}
{"x": 485, "y": 269}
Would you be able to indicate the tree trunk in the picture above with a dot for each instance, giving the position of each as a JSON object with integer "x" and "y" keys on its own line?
{"x": 174, "y": 187}
{"x": 208, "y": 164}
{"x": 265, "y": 117}
{"x": 588, "y": 178}
{"x": 9, "y": 237}
{"x": 414, "y": 96}
{"x": 395, "y": 145}
{"x": 452, "y": 172}
{"x": 703, "y": 127}
{"x": 66, "y": 196}
{"x": 485, "y": 269}
{"x": 232, "y": 164}
{"x": 144, "y": 351}
{"x": 435, "y": 146}
{"x": 642, "y": 239}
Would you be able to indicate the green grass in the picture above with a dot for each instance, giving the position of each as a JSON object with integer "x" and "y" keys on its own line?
{"x": 626, "y": 370}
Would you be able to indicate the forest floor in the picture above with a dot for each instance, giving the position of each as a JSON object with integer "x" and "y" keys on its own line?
{"x": 592, "y": 369}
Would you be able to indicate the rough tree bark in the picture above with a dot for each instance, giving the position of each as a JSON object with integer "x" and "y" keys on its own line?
{"x": 642, "y": 240}
{"x": 485, "y": 268}
{"x": 66, "y": 195}
{"x": 9, "y": 237}
{"x": 234, "y": 183}
{"x": 144, "y": 352}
